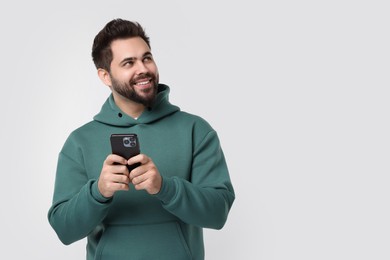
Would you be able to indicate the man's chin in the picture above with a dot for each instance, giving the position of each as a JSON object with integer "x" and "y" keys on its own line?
{"x": 147, "y": 99}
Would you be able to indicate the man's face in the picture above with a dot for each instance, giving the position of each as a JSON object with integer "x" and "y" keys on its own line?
{"x": 134, "y": 74}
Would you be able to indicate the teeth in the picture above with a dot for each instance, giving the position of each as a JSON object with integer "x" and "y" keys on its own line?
{"x": 143, "y": 83}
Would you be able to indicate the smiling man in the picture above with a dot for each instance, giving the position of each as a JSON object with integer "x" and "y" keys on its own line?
{"x": 181, "y": 185}
{"x": 133, "y": 74}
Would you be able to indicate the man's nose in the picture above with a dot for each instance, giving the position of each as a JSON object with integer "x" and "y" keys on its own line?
{"x": 140, "y": 67}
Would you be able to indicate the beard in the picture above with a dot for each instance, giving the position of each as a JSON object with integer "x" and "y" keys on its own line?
{"x": 127, "y": 90}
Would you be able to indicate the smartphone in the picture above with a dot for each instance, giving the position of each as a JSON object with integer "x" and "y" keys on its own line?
{"x": 125, "y": 145}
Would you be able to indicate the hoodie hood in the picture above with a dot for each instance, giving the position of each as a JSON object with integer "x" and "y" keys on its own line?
{"x": 111, "y": 114}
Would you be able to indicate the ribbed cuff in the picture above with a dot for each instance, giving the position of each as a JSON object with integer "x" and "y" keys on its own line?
{"x": 97, "y": 195}
{"x": 168, "y": 190}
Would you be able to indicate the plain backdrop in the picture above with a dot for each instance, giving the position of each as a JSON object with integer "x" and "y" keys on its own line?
{"x": 297, "y": 90}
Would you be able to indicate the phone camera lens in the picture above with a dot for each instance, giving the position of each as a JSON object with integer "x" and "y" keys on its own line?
{"x": 126, "y": 141}
{"x": 129, "y": 141}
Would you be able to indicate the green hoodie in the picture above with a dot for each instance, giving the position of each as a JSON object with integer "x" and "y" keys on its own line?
{"x": 196, "y": 191}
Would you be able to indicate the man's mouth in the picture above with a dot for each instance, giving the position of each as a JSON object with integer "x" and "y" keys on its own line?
{"x": 143, "y": 83}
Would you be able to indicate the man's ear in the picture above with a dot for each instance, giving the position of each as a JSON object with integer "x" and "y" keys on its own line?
{"x": 105, "y": 77}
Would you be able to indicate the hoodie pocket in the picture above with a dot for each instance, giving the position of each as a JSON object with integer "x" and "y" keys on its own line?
{"x": 138, "y": 242}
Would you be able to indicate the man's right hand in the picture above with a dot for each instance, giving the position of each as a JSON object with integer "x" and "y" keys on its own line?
{"x": 114, "y": 176}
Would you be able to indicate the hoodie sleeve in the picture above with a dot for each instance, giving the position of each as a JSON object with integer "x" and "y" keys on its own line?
{"x": 78, "y": 207}
{"x": 206, "y": 199}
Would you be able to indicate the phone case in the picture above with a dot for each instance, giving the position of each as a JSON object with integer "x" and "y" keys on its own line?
{"x": 125, "y": 145}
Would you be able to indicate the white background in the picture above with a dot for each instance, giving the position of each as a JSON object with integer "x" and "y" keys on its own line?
{"x": 297, "y": 90}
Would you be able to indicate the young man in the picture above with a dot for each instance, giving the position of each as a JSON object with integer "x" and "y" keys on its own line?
{"x": 182, "y": 184}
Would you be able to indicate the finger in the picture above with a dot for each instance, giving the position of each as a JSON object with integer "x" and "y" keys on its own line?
{"x": 115, "y": 174}
{"x": 138, "y": 171}
{"x": 108, "y": 187}
{"x": 119, "y": 169}
{"x": 120, "y": 178}
{"x": 142, "y": 184}
{"x": 140, "y": 158}
{"x": 115, "y": 159}
{"x": 139, "y": 179}
{"x": 150, "y": 185}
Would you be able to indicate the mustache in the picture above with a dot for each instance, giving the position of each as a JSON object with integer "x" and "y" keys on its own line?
{"x": 143, "y": 76}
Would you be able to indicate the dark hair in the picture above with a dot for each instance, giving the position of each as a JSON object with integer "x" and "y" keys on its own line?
{"x": 115, "y": 29}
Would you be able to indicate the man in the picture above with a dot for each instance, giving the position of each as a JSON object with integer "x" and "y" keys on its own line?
{"x": 158, "y": 209}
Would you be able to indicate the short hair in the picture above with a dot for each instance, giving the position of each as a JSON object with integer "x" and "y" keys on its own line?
{"x": 113, "y": 30}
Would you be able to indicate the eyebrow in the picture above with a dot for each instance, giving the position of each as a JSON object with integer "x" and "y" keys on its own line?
{"x": 134, "y": 58}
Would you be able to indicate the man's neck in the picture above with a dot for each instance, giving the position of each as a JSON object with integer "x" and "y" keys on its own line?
{"x": 131, "y": 108}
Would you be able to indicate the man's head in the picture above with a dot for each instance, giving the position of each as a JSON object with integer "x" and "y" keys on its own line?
{"x": 115, "y": 29}
{"x": 121, "y": 53}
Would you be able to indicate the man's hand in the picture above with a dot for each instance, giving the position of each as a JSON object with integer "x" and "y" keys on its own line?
{"x": 146, "y": 176}
{"x": 113, "y": 177}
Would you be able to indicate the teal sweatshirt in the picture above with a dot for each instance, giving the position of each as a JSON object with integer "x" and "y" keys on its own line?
{"x": 196, "y": 190}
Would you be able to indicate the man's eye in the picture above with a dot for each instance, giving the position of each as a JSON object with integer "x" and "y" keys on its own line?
{"x": 129, "y": 63}
{"x": 148, "y": 58}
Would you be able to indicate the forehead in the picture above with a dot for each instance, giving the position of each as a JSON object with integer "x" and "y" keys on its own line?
{"x": 129, "y": 48}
